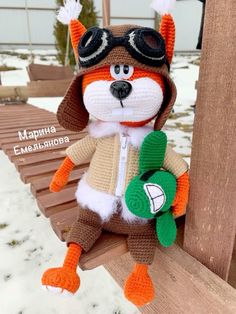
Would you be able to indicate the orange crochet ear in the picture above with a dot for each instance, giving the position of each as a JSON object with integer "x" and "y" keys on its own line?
{"x": 77, "y": 29}
{"x": 68, "y": 15}
{"x": 167, "y": 30}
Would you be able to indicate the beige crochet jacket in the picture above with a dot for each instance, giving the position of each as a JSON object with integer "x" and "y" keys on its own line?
{"x": 114, "y": 152}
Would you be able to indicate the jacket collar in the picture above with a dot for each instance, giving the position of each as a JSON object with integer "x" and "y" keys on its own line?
{"x": 99, "y": 129}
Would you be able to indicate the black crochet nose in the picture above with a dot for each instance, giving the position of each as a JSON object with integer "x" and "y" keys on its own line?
{"x": 120, "y": 89}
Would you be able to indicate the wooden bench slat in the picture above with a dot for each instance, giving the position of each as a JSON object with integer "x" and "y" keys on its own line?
{"x": 52, "y": 136}
{"x": 33, "y": 126}
{"x": 41, "y": 184}
{"x": 48, "y": 72}
{"x": 34, "y": 159}
{"x": 24, "y": 126}
{"x": 12, "y": 156}
{"x": 50, "y": 200}
{"x": 15, "y": 138}
{"x": 182, "y": 284}
{"x": 34, "y": 170}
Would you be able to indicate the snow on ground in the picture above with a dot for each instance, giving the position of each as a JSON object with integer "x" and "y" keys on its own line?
{"x": 28, "y": 245}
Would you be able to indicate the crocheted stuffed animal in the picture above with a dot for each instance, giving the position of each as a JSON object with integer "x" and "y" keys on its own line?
{"x": 124, "y": 83}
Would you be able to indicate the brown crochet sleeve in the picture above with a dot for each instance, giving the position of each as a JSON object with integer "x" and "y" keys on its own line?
{"x": 174, "y": 162}
{"x": 82, "y": 151}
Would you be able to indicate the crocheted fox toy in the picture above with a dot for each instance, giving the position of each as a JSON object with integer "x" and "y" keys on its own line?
{"x": 124, "y": 83}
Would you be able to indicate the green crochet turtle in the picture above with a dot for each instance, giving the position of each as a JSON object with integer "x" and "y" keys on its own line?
{"x": 152, "y": 192}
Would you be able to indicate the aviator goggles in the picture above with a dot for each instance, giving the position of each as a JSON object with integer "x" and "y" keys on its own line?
{"x": 144, "y": 44}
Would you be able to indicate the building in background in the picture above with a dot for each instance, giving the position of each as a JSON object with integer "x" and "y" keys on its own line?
{"x": 25, "y": 22}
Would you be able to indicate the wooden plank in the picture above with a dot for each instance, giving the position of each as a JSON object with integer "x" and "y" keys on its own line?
{"x": 49, "y": 72}
{"x": 39, "y": 185}
{"x": 106, "y": 12}
{"x": 12, "y": 156}
{"x": 32, "y": 171}
{"x": 108, "y": 247}
{"x": 6, "y": 146}
{"x": 36, "y": 89}
{"x": 25, "y": 117}
{"x": 232, "y": 270}
{"x": 23, "y": 124}
{"x": 182, "y": 284}
{"x": 11, "y": 139}
{"x": 35, "y": 159}
{"x": 26, "y": 125}
{"x": 47, "y": 202}
{"x": 8, "y": 132}
{"x": 211, "y": 218}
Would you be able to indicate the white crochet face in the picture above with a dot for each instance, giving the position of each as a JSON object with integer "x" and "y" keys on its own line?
{"x": 139, "y": 100}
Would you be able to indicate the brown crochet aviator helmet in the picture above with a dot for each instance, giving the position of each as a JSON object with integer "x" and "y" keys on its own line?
{"x": 133, "y": 45}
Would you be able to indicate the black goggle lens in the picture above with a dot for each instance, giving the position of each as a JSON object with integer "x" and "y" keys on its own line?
{"x": 94, "y": 46}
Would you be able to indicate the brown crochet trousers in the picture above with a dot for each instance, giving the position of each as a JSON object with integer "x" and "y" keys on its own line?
{"x": 141, "y": 238}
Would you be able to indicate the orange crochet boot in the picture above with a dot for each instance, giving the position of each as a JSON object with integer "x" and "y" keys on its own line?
{"x": 64, "y": 279}
{"x": 139, "y": 288}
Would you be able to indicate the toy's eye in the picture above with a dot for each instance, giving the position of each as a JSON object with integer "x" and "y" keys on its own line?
{"x": 121, "y": 71}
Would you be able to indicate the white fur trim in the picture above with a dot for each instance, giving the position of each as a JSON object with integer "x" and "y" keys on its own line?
{"x": 137, "y": 135}
{"x": 99, "y": 129}
{"x": 70, "y": 11}
{"x": 163, "y": 6}
{"x": 104, "y": 204}
{"x": 58, "y": 291}
{"x": 99, "y": 202}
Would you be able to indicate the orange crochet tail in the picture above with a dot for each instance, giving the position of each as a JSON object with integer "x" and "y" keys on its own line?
{"x": 167, "y": 30}
{"x": 139, "y": 288}
{"x": 181, "y": 198}
{"x": 65, "y": 277}
{"x": 61, "y": 177}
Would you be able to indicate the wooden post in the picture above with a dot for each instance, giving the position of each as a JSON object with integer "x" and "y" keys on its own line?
{"x": 211, "y": 217}
{"x": 106, "y": 12}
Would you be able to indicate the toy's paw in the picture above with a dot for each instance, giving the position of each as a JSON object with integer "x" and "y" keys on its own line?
{"x": 61, "y": 280}
{"x": 139, "y": 289}
{"x": 56, "y": 185}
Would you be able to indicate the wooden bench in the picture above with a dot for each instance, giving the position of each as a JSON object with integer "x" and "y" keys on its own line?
{"x": 45, "y": 80}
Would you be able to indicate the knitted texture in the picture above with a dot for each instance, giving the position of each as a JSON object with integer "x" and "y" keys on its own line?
{"x": 72, "y": 114}
{"x": 103, "y": 171}
{"x": 167, "y": 30}
{"x": 152, "y": 153}
{"x": 141, "y": 238}
{"x": 65, "y": 277}
{"x": 77, "y": 29}
{"x": 138, "y": 287}
{"x": 166, "y": 229}
{"x": 152, "y": 190}
{"x": 181, "y": 198}
{"x": 61, "y": 176}
{"x": 82, "y": 151}
{"x": 72, "y": 257}
{"x": 104, "y": 74}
